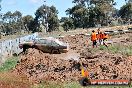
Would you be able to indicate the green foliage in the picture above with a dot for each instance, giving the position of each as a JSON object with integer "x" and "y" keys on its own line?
{"x": 89, "y": 13}
{"x": 78, "y": 13}
{"x": 9, "y": 64}
{"x": 68, "y": 24}
{"x": 53, "y": 20}
{"x": 27, "y": 22}
{"x": 45, "y": 14}
{"x": 126, "y": 11}
{"x": 124, "y": 50}
{"x": 12, "y": 22}
{"x": 63, "y": 19}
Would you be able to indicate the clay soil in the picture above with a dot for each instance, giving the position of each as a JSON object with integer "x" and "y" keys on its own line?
{"x": 38, "y": 66}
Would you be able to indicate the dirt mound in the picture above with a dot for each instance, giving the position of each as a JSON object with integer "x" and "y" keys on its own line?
{"x": 107, "y": 66}
{"x": 76, "y": 42}
{"x": 37, "y": 66}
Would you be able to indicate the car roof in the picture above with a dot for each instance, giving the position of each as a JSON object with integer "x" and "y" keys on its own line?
{"x": 51, "y": 39}
{"x": 46, "y": 38}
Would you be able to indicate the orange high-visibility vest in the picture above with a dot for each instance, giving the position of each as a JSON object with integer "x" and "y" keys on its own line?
{"x": 100, "y": 36}
{"x": 105, "y": 36}
{"x": 93, "y": 37}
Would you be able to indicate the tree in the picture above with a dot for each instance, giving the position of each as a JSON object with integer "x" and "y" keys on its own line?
{"x": 78, "y": 13}
{"x": 68, "y": 24}
{"x": 7, "y": 17}
{"x": 12, "y": 22}
{"x": 88, "y": 13}
{"x": 17, "y": 16}
{"x": 47, "y": 15}
{"x": 53, "y": 21}
{"x": 63, "y": 19}
{"x": 126, "y": 11}
{"x": 27, "y": 21}
{"x": 130, "y": 1}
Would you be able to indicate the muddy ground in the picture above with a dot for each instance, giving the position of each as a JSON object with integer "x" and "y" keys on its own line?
{"x": 65, "y": 67}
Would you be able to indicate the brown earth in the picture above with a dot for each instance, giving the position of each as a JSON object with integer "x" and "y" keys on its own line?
{"x": 10, "y": 80}
{"x": 38, "y": 66}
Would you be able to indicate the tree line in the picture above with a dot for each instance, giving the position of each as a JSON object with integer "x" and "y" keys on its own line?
{"x": 94, "y": 13}
{"x": 84, "y": 14}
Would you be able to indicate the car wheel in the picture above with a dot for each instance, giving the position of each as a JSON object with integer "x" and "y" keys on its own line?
{"x": 55, "y": 51}
{"x": 34, "y": 47}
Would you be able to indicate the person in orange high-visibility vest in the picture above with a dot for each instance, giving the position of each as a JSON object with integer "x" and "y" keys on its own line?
{"x": 100, "y": 37}
{"x": 105, "y": 37}
{"x": 98, "y": 32}
{"x": 94, "y": 38}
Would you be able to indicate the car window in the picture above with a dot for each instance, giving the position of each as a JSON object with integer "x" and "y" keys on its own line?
{"x": 48, "y": 42}
{"x": 37, "y": 41}
{"x": 54, "y": 43}
{"x": 44, "y": 41}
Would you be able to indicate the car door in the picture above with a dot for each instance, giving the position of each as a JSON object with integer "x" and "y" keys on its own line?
{"x": 55, "y": 45}
{"x": 37, "y": 44}
{"x": 44, "y": 45}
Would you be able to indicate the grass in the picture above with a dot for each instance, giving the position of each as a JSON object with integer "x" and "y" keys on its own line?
{"x": 9, "y": 64}
{"x": 10, "y": 80}
{"x": 75, "y": 85}
{"x": 124, "y": 50}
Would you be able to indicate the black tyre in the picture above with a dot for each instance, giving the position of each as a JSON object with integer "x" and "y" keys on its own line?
{"x": 55, "y": 51}
{"x": 34, "y": 46}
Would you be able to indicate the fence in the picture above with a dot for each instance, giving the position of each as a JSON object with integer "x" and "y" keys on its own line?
{"x": 9, "y": 47}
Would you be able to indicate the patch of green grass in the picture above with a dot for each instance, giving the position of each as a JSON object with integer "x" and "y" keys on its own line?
{"x": 102, "y": 47}
{"x": 76, "y": 85}
{"x": 72, "y": 85}
{"x": 124, "y": 50}
{"x": 9, "y": 64}
{"x": 116, "y": 49}
{"x": 48, "y": 84}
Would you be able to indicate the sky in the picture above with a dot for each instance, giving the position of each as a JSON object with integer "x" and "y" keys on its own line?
{"x": 28, "y": 7}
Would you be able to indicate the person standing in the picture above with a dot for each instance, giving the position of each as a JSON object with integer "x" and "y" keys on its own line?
{"x": 100, "y": 38}
{"x": 94, "y": 38}
{"x": 105, "y": 37}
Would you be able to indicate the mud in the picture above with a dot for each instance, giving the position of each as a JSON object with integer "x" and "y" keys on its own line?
{"x": 65, "y": 67}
